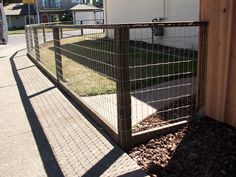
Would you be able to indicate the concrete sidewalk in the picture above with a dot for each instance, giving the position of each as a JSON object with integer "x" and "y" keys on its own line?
{"x": 144, "y": 102}
{"x": 43, "y": 134}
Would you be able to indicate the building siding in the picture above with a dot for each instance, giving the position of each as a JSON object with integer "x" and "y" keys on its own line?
{"x": 139, "y": 10}
{"x": 145, "y": 11}
{"x": 16, "y": 22}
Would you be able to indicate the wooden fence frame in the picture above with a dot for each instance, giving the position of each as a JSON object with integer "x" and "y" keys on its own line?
{"x": 124, "y": 135}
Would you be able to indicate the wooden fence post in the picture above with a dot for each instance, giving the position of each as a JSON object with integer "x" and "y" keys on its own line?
{"x": 123, "y": 88}
{"x": 103, "y": 30}
{"x": 201, "y": 67}
{"x": 82, "y": 30}
{"x": 57, "y": 50}
{"x": 61, "y": 32}
{"x": 36, "y": 43}
{"x": 44, "y": 35}
{"x": 27, "y": 39}
{"x": 31, "y": 43}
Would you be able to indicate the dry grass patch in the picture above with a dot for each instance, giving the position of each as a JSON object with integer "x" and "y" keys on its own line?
{"x": 81, "y": 79}
{"x": 89, "y": 64}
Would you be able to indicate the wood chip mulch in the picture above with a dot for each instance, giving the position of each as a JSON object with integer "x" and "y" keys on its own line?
{"x": 158, "y": 120}
{"x": 204, "y": 148}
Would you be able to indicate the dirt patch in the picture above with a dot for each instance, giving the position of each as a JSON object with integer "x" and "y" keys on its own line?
{"x": 178, "y": 110}
{"x": 203, "y": 148}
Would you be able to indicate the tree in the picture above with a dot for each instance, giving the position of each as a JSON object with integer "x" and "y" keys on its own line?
{"x": 86, "y": 1}
{"x": 98, "y": 3}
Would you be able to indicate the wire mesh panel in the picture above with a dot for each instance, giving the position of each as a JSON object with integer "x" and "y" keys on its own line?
{"x": 66, "y": 35}
{"x": 46, "y": 46}
{"x": 30, "y": 41}
{"x": 47, "y": 54}
{"x": 89, "y": 70}
{"x": 163, "y": 71}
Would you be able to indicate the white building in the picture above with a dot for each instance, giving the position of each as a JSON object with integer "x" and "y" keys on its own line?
{"x": 87, "y": 14}
{"x": 131, "y": 11}
{"x": 53, "y": 10}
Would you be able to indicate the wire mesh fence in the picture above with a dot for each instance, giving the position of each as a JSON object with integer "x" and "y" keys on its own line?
{"x": 163, "y": 73}
{"x": 88, "y": 69}
{"x": 30, "y": 41}
{"x": 135, "y": 77}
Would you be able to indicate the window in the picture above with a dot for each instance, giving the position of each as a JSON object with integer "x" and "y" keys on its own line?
{"x": 51, "y": 3}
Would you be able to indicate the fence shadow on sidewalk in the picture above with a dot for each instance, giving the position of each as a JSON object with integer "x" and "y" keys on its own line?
{"x": 50, "y": 163}
{"x": 70, "y": 155}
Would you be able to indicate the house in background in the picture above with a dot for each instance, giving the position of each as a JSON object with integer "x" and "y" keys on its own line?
{"x": 17, "y": 15}
{"x": 48, "y": 11}
{"x": 53, "y": 10}
{"x": 132, "y": 11}
{"x": 87, "y": 14}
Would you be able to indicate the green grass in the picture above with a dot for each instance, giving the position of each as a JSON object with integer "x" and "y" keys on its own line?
{"x": 87, "y": 67}
{"x": 18, "y": 31}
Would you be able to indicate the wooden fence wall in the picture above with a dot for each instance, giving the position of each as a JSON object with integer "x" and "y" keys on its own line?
{"x": 221, "y": 65}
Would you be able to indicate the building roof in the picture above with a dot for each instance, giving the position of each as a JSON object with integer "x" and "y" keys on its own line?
{"x": 84, "y": 7}
{"x": 18, "y": 9}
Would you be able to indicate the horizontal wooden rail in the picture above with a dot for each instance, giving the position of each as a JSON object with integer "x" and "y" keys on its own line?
{"x": 126, "y": 25}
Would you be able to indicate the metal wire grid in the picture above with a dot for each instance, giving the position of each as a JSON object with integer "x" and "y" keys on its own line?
{"x": 162, "y": 72}
{"x": 163, "y": 82}
{"x": 92, "y": 67}
{"x": 88, "y": 67}
{"x": 47, "y": 55}
{"x": 30, "y": 41}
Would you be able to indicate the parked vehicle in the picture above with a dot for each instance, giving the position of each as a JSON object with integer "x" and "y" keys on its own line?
{"x": 3, "y": 26}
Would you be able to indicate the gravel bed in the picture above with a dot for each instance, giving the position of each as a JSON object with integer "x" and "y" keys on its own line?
{"x": 204, "y": 148}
